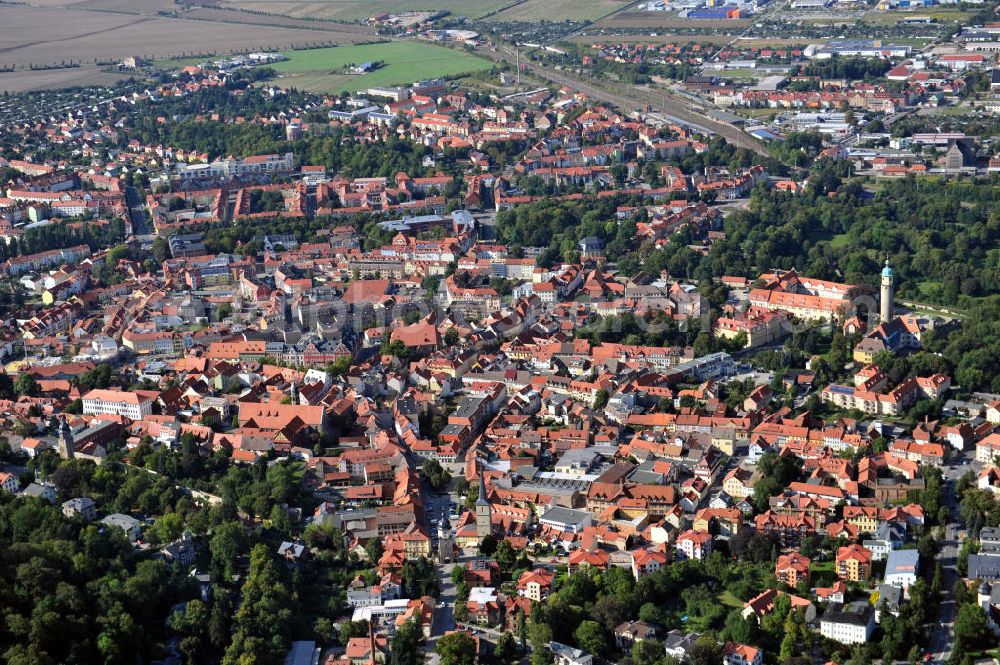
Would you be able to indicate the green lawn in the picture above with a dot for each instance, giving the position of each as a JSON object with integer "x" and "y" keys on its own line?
{"x": 742, "y": 74}
{"x": 822, "y": 573}
{"x": 929, "y": 288}
{"x": 840, "y": 240}
{"x": 729, "y": 600}
{"x": 325, "y": 70}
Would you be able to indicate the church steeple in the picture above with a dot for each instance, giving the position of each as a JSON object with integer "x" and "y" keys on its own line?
{"x": 888, "y": 292}
{"x": 446, "y": 540}
{"x": 482, "y": 490}
{"x": 484, "y": 511}
{"x": 67, "y": 448}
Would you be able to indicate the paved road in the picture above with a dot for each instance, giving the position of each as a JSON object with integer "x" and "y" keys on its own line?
{"x": 635, "y": 98}
{"x": 141, "y": 227}
{"x": 444, "y": 617}
{"x": 444, "y": 613}
{"x": 943, "y": 631}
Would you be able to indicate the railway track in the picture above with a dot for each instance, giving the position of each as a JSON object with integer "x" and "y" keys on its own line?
{"x": 635, "y": 99}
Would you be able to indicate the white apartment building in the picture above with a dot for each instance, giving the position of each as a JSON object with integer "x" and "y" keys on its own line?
{"x": 133, "y": 405}
{"x": 848, "y": 624}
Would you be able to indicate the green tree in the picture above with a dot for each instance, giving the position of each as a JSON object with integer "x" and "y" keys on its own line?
{"x": 438, "y": 477}
{"x": 396, "y": 348}
{"x": 161, "y": 250}
{"x": 646, "y": 652}
{"x": 706, "y": 651}
{"x": 739, "y": 629}
{"x": 488, "y": 545}
{"x": 590, "y": 637}
{"x": 191, "y": 625}
{"x": 971, "y": 630}
{"x": 506, "y": 648}
{"x": 340, "y": 366}
{"x": 456, "y": 649}
{"x": 264, "y": 620}
{"x": 539, "y": 636}
{"x": 26, "y": 385}
{"x": 374, "y": 550}
{"x": 406, "y": 643}
{"x": 227, "y": 543}
{"x": 349, "y": 629}
{"x": 506, "y": 556}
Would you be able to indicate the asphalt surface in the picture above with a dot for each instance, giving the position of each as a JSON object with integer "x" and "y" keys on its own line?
{"x": 943, "y": 630}
{"x": 141, "y": 226}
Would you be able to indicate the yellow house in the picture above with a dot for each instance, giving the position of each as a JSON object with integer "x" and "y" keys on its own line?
{"x": 865, "y": 518}
{"x": 415, "y": 544}
{"x": 738, "y": 483}
{"x": 724, "y": 438}
{"x": 863, "y": 356}
{"x": 853, "y": 562}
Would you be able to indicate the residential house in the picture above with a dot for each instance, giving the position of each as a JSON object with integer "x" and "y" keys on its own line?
{"x": 853, "y": 562}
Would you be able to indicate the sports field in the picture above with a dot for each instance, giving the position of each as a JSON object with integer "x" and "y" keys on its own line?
{"x": 324, "y": 70}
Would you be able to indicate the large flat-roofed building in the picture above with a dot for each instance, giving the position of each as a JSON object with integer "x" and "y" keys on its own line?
{"x": 303, "y": 653}
{"x": 566, "y": 520}
{"x": 901, "y": 568}
{"x": 186, "y": 244}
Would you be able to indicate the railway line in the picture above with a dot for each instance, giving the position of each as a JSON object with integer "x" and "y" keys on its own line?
{"x": 634, "y": 99}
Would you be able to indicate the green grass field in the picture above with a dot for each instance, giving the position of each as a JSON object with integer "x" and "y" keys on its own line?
{"x": 840, "y": 240}
{"x": 324, "y": 70}
{"x": 742, "y": 73}
{"x": 729, "y": 600}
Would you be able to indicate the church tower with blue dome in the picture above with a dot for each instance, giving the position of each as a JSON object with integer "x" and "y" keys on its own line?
{"x": 888, "y": 293}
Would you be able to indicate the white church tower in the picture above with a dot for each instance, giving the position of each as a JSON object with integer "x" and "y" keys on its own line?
{"x": 888, "y": 293}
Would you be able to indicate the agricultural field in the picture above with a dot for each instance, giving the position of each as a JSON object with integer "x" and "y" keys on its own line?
{"x": 323, "y": 70}
{"x": 656, "y": 21}
{"x": 361, "y": 10}
{"x": 600, "y": 36}
{"x": 939, "y": 14}
{"x": 560, "y": 10}
{"x": 51, "y": 79}
{"x": 31, "y": 34}
{"x": 126, "y": 6}
{"x": 344, "y": 32}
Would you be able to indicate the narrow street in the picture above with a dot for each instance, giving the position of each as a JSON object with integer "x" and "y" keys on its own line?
{"x": 141, "y": 227}
{"x": 943, "y": 632}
